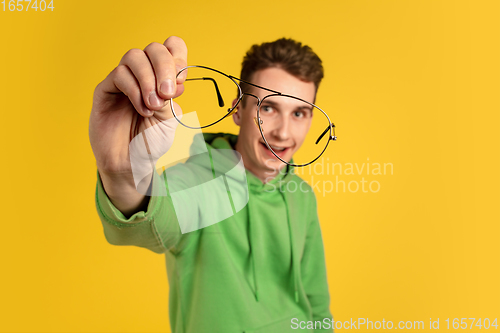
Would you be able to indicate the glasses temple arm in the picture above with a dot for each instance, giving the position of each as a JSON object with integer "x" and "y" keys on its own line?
{"x": 324, "y": 132}
{"x": 254, "y": 85}
{"x": 219, "y": 96}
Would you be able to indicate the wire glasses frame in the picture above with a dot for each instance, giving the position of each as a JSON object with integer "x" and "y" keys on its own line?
{"x": 258, "y": 121}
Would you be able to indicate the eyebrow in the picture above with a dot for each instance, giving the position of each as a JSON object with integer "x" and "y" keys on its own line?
{"x": 306, "y": 107}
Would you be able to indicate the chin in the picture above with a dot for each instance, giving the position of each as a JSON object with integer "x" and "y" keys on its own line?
{"x": 273, "y": 164}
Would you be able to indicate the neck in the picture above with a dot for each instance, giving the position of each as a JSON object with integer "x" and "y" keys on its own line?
{"x": 263, "y": 175}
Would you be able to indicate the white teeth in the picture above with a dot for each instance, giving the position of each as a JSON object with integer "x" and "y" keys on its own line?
{"x": 277, "y": 148}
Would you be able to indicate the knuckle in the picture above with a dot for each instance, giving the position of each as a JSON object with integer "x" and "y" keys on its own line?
{"x": 153, "y": 46}
{"x": 132, "y": 53}
{"x": 120, "y": 70}
{"x": 174, "y": 41}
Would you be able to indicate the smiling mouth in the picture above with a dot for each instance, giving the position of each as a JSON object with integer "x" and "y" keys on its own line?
{"x": 280, "y": 151}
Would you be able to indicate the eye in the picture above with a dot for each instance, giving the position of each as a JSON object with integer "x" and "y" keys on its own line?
{"x": 266, "y": 108}
{"x": 299, "y": 114}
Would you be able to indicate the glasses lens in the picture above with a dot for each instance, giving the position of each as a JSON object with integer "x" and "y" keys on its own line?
{"x": 207, "y": 97}
{"x": 288, "y": 124}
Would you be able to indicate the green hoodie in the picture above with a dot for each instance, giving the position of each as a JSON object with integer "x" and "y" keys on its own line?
{"x": 261, "y": 270}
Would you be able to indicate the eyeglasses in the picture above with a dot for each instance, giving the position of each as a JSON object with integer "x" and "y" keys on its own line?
{"x": 208, "y": 92}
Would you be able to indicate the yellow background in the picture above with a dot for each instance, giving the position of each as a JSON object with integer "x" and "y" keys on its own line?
{"x": 412, "y": 83}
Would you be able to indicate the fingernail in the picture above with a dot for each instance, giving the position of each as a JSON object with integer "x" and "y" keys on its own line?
{"x": 148, "y": 112}
{"x": 167, "y": 87}
{"x": 154, "y": 101}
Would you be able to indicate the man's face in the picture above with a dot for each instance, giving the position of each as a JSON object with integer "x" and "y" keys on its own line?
{"x": 286, "y": 131}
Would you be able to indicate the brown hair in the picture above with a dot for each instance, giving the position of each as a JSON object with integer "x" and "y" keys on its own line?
{"x": 293, "y": 57}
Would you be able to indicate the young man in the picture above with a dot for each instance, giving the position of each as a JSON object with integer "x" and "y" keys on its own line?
{"x": 263, "y": 268}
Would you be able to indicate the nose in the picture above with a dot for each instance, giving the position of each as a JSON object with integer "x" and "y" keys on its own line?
{"x": 281, "y": 128}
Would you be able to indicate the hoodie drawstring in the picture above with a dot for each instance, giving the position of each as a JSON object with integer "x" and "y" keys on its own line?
{"x": 295, "y": 265}
{"x": 294, "y": 256}
{"x": 252, "y": 249}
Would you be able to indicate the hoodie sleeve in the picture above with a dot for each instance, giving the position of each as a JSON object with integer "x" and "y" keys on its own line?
{"x": 313, "y": 273}
{"x": 156, "y": 229}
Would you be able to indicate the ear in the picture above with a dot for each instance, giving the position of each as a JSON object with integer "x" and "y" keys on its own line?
{"x": 237, "y": 114}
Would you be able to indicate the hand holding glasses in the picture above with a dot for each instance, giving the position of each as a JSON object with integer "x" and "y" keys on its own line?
{"x": 209, "y": 93}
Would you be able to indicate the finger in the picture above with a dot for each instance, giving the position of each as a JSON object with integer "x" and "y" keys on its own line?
{"x": 178, "y": 49}
{"x": 140, "y": 66}
{"x": 164, "y": 69}
{"x": 125, "y": 82}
